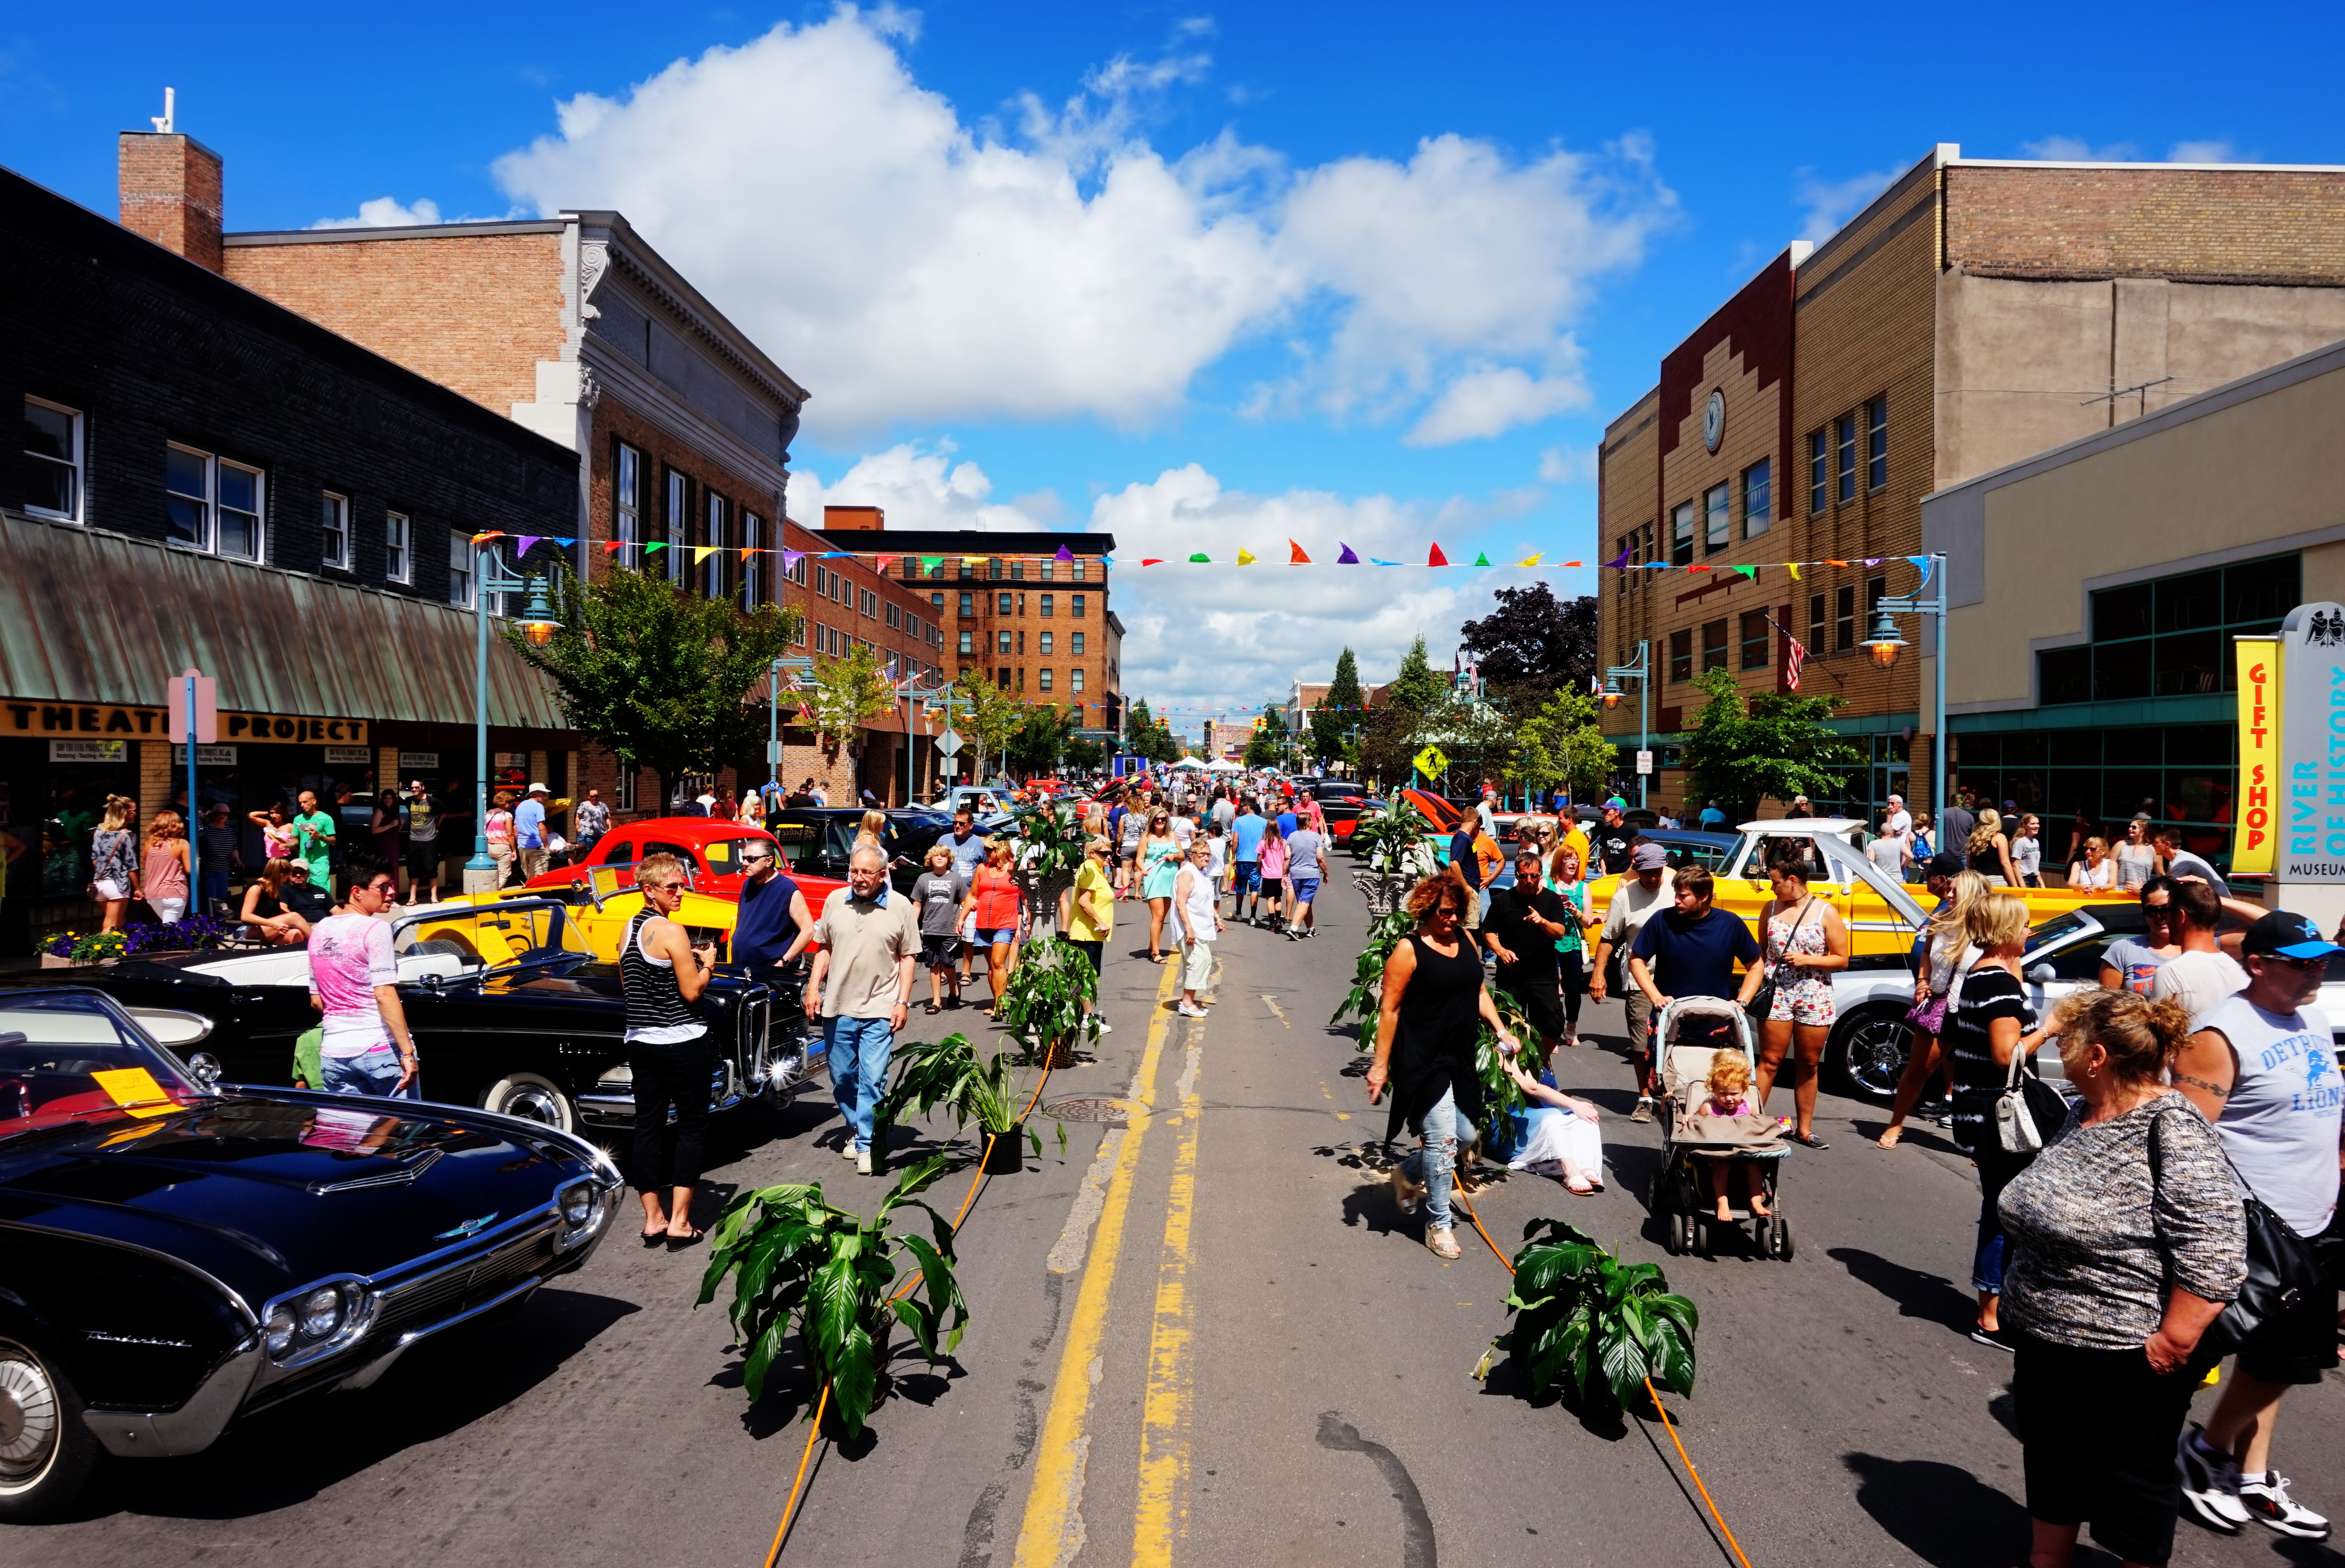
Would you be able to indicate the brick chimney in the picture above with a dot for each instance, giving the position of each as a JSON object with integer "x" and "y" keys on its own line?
{"x": 864, "y": 519}
{"x": 170, "y": 192}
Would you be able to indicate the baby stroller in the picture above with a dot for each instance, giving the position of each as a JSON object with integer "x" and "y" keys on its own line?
{"x": 1693, "y": 1030}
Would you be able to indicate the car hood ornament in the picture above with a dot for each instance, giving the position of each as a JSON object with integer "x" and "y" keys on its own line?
{"x": 466, "y": 1228}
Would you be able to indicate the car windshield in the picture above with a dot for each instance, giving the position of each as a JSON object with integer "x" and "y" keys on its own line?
{"x": 2059, "y": 928}
{"x": 725, "y": 855}
{"x": 493, "y": 934}
{"x": 68, "y": 1054}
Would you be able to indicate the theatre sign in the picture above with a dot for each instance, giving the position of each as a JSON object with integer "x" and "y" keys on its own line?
{"x": 118, "y": 722}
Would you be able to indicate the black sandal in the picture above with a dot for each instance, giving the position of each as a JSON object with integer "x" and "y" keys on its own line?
{"x": 933, "y": 1009}
{"x": 654, "y": 1238}
{"x": 679, "y": 1243}
{"x": 1809, "y": 1139}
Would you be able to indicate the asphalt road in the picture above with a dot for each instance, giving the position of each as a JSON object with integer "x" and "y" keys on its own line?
{"x": 1204, "y": 1338}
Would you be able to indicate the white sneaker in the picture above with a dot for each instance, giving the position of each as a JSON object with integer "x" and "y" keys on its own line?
{"x": 1101, "y": 1026}
{"x": 863, "y": 1162}
{"x": 2266, "y": 1500}
{"x": 2210, "y": 1483}
{"x": 847, "y": 1149}
{"x": 1189, "y": 1011}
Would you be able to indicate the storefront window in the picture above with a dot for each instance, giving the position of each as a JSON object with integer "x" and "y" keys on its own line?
{"x": 2171, "y": 637}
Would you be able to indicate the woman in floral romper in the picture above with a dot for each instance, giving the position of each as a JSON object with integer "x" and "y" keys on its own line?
{"x": 1805, "y": 943}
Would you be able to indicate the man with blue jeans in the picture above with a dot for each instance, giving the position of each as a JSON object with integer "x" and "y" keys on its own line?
{"x": 529, "y": 832}
{"x": 869, "y": 937}
{"x": 1247, "y": 828}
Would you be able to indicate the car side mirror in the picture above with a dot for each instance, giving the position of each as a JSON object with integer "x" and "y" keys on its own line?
{"x": 2042, "y": 974}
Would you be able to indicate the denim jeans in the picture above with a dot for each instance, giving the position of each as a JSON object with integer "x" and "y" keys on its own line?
{"x": 1431, "y": 1165}
{"x": 1995, "y": 1169}
{"x": 373, "y": 1073}
{"x": 214, "y": 888}
{"x": 858, "y": 1050}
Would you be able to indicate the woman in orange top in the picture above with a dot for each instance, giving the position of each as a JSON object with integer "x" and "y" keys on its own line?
{"x": 995, "y": 896}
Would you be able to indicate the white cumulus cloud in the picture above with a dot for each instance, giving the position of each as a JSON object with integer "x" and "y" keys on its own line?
{"x": 2210, "y": 151}
{"x": 386, "y": 212}
{"x": 1828, "y": 203}
{"x": 1487, "y": 403}
{"x": 908, "y": 264}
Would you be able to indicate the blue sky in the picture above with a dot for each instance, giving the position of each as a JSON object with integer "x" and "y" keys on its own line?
{"x": 1205, "y": 278}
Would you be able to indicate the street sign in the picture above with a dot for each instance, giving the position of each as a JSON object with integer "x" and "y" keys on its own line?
{"x": 1431, "y": 762}
{"x": 774, "y": 752}
{"x": 1644, "y": 763}
{"x": 207, "y": 707}
{"x": 947, "y": 765}
{"x": 949, "y": 743}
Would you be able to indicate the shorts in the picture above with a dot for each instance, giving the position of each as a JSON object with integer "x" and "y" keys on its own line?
{"x": 2097, "y": 1429}
{"x": 1002, "y": 937}
{"x": 423, "y": 859}
{"x": 940, "y": 952}
{"x": 2300, "y": 1346}
{"x": 1249, "y": 878}
{"x": 1196, "y": 965}
{"x": 1805, "y": 1001}
{"x": 969, "y": 931}
{"x": 371, "y": 1072}
{"x": 109, "y": 890}
{"x": 1305, "y": 888}
{"x": 167, "y": 910}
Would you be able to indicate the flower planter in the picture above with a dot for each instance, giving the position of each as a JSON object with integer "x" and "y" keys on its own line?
{"x": 1005, "y": 1153}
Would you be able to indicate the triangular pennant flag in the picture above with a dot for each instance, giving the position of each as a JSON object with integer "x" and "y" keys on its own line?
{"x": 1618, "y": 562}
{"x": 790, "y": 559}
{"x": 613, "y": 546}
{"x": 1152, "y": 560}
{"x": 1294, "y": 555}
{"x": 1483, "y": 559}
{"x": 1533, "y": 559}
{"x": 1873, "y": 560}
{"x": 484, "y": 538}
{"x": 1201, "y": 555}
{"x": 1064, "y": 555}
{"x": 1792, "y": 567}
{"x": 1373, "y": 561}
{"x": 745, "y": 554}
{"x": 522, "y": 546}
{"x": 655, "y": 545}
{"x": 885, "y": 562}
{"x": 1436, "y": 558}
{"x": 1924, "y": 563}
{"x": 1830, "y": 562}
{"x": 700, "y": 552}
{"x": 1246, "y": 556}
{"x": 1749, "y": 571}
{"x": 1346, "y": 558}
{"x": 972, "y": 560}
{"x": 931, "y": 565}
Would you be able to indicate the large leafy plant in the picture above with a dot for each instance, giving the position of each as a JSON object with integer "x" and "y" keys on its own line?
{"x": 1044, "y": 1003}
{"x": 949, "y": 1073}
{"x": 1504, "y": 1094}
{"x": 1368, "y": 974}
{"x": 1593, "y": 1324}
{"x": 797, "y": 1263}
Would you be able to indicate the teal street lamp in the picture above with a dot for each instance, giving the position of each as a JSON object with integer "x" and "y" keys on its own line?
{"x": 1635, "y": 669}
{"x": 795, "y": 664}
{"x": 538, "y": 624}
{"x": 1884, "y": 643}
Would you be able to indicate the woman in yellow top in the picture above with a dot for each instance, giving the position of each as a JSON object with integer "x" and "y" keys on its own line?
{"x": 1087, "y": 913}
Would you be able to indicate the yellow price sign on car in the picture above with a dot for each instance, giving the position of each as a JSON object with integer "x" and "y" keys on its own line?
{"x": 1431, "y": 762}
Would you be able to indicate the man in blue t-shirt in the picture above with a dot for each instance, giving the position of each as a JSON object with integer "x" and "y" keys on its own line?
{"x": 1468, "y": 868}
{"x": 774, "y": 921}
{"x": 1690, "y": 950}
{"x": 1247, "y": 829}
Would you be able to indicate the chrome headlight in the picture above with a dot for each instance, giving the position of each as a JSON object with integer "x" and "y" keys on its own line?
{"x": 578, "y": 1205}
{"x": 279, "y": 1331}
{"x": 321, "y": 1313}
{"x": 305, "y": 1323}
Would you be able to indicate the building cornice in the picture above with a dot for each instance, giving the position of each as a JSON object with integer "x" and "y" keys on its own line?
{"x": 608, "y": 238}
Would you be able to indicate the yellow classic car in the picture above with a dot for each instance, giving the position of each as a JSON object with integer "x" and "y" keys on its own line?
{"x": 606, "y": 901}
{"x": 1881, "y": 914}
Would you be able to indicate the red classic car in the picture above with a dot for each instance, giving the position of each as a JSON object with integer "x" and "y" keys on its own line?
{"x": 710, "y": 846}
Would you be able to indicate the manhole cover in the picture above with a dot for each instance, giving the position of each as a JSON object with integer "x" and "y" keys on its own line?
{"x": 1110, "y": 1113}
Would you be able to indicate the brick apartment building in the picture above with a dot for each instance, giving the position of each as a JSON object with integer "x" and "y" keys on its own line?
{"x": 205, "y": 478}
{"x": 575, "y": 328}
{"x": 1975, "y": 313}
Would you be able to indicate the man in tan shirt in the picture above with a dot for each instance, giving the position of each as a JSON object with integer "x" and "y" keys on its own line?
{"x": 866, "y": 943}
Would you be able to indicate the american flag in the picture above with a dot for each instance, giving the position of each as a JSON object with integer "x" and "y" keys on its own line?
{"x": 1793, "y": 654}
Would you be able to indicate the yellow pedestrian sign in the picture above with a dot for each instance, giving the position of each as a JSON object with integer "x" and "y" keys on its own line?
{"x": 1431, "y": 762}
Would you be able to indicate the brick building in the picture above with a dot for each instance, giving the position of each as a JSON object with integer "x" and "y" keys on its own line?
{"x": 205, "y": 478}
{"x": 678, "y": 425}
{"x": 1975, "y": 313}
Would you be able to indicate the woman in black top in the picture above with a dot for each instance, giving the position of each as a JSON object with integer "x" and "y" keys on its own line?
{"x": 662, "y": 976}
{"x": 1986, "y": 1022}
{"x": 1989, "y": 849}
{"x": 1427, "y": 1031}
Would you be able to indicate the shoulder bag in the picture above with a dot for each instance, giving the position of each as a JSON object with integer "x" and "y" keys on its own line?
{"x": 2029, "y": 1110}
{"x": 1763, "y": 1001}
{"x": 2283, "y": 1271}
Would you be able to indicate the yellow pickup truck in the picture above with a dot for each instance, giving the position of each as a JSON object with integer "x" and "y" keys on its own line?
{"x": 1881, "y": 913}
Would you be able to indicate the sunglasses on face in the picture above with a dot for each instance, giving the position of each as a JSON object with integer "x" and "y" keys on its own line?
{"x": 2301, "y": 965}
{"x": 667, "y": 887}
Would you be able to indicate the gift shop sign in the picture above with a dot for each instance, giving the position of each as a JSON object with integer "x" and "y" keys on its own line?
{"x": 112, "y": 721}
{"x": 2254, "y": 843}
{"x": 2311, "y": 806}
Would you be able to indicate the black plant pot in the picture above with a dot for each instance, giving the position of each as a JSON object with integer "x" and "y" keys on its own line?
{"x": 1005, "y": 1153}
{"x": 1060, "y": 1053}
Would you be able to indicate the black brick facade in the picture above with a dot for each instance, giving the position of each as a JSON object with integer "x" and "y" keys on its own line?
{"x": 152, "y": 348}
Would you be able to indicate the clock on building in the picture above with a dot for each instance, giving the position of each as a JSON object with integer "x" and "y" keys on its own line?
{"x": 1713, "y": 418}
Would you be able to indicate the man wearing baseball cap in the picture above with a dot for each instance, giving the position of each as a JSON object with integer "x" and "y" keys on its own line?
{"x": 529, "y": 832}
{"x": 1613, "y": 839}
{"x": 2262, "y": 1068}
{"x": 1648, "y": 890}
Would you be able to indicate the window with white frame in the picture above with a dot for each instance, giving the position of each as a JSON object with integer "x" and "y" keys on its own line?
{"x": 712, "y": 578}
{"x": 623, "y": 794}
{"x": 53, "y": 460}
{"x": 965, "y": 643}
{"x": 398, "y": 544}
{"x": 627, "y": 503}
{"x": 1075, "y": 678}
{"x": 678, "y": 523}
{"x": 211, "y": 504}
{"x": 1075, "y": 644}
{"x": 1046, "y": 642}
{"x": 462, "y": 553}
{"x": 753, "y": 572}
{"x": 1002, "y": 642}
{"x": 334, "y": 530}
{"x": 895, "y": 616}
{"x": 1045, "y": 677}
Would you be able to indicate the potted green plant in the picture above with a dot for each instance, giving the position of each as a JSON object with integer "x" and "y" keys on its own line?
{"x": 1390, "y": 841}
{"x": 1044, "y": 1003}
{"x": 797, "y": 1263}
{"x": 1592, "y": 1324}
{"x": 1046, "y": 847}
{"x": 949, "y": 1073}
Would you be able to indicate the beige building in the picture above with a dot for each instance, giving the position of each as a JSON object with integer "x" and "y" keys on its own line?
{"x": 1975, "y": 314}
{"x": 2095, "y": 590}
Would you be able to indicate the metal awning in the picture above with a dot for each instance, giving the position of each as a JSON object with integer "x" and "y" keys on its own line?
{"x": 89, "y": 617}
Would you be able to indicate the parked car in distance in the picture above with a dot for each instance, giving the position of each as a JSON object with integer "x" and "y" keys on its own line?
{"x": 175, "y": 1256}
{"x": 816, "y": 840}
{"x": 710, "y": 846}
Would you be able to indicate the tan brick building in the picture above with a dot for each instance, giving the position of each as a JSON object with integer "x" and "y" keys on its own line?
{"x": 1975, "y": 313}
{"x": 574, "y": 327}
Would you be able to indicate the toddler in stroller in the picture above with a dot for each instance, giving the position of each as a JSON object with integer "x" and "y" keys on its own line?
{"x": 1714, "y": 1140}
{"x": 1729, "y": 1097}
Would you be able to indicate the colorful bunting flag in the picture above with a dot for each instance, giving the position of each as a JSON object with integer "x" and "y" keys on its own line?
{"x": 1792, "y": 567}
{"x": 521, "y": 546}
{"x": 1346, "y": 558}
{"x": 655, "y": 545}
{"x": 1064, "y": 555}
{"x": 614, "y": 546}
{"x": 1483, "y": 559}
{"x": 1618, "y": 561}
{"x": 484, "y": 538}
{"x": 1924, "y": 563}
{"x": 1373, "y": 561}
{"x": 1749, "y": 571}
{"x": 1157, "y": 561}
{"x": 1202, "y": 558}
{"x": 931, "y": 565}
{"x": 1436, "y": 558}
{"x": 1532, "y": 559}
{"x": 700, "y": 552}
{"x": 1294, "y": 555}
{"x": 1246, "y": 556}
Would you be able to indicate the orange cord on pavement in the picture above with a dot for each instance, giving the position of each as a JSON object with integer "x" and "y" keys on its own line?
{"x": 782, "y": 1531}
{"x": 1667, "y": 1425}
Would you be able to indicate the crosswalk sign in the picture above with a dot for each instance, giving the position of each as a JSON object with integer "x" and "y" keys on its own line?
{"x": 1431, "y": 762}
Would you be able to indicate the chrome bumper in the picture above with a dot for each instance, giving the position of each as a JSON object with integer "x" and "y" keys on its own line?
{"x": 191, "y": 1429}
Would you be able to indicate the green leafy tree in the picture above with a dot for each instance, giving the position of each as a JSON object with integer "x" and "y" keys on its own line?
{"x": 1041, "y": 738}
{"x": 1087, "y": 754}
{"x": 1391, "y": 739}
{"x": 1138, "y": 721}
{"x": 848, "y": 692}
{"x": 1419, "y": 688}
{"x": 1775, "y": 745}
{"x": 1268, "y": 748}
{"x": 660, "y": 678}
{"x": 1339, "y": 712}
{"x": 987, "y": 716}
{"x": 1561, "y": 743}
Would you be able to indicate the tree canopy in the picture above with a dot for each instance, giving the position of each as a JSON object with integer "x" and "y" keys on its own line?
{"x": 848, "y": 692}
{"x": 1268, "y": 748}
{"x": 1044, "y": 733}
{"x": 986, "y": 716}
{"x": 1532, "y": 638}
{"x": 1419, "y": 688}
{"x": 1342, "y": 709}
{"x": 1776, "y": 744}
{"x": 1561, "y": 743}
{"x": 659, "y": 677}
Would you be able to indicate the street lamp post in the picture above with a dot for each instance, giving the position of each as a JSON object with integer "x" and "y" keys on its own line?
{"x": 538, "y": 624}
{"x": 1885, "y": 644}
{"x": 1635, "y": 669}
{"x": 773, "y": 713}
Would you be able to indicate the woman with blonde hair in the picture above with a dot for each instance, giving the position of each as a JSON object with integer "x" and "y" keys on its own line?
{"x": 1939, "y": 949}
{"x": 501, "y": 835}
{"x": 265, "y": 916}
{"x": 165, "y": 872}
{"x": 872, "y": 830}
{"x": 1989, "y": 850}
{"x": 1157, "y": 858}
{"x": 114, "y": 860}
{"x": 1985, "y": 1028}
{"x": 2094, "y": 869}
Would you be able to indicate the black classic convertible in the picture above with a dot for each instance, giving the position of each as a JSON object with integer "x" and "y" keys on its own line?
{"x": 174, "y": 1256}
{"x": 510, "y": 1010}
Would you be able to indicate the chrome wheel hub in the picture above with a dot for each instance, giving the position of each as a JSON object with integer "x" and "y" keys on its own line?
{"x": 535, "y": 1104}
{"x": 1876, "y": 1056}
{"x": 28, "y": 1415}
